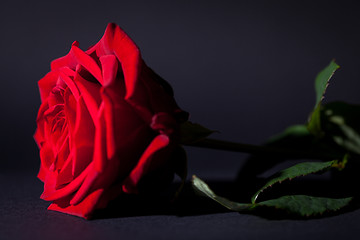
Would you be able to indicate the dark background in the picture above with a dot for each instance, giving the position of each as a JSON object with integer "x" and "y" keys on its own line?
{"x": 245, "y": 68}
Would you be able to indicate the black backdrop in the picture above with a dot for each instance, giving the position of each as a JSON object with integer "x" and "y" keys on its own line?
{"x": 245, "y": 68}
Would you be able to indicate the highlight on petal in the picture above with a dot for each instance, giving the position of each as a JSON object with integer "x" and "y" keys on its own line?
{"x": 129, "y": 56}
{"x": 88, "y": 62}
{"x": 91, "y": 95}
{"x": 51, "y": 193}
{"x": 85, "y": 187}
{"x": 82, "y": 133}
{"x": 70, "y": 83}
{"x": 47, "y": 83}
{"x": 109, "y": 69}
{"x": 109, "y": 116}
{"x": 100, "y": 156}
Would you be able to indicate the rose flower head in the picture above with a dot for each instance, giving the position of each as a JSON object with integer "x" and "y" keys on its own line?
{"x": 106, "y": 122}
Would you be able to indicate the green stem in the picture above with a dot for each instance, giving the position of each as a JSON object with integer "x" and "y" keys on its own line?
{"x": 260, "y": 150}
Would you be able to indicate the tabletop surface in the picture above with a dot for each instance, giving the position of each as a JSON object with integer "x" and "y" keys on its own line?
{"x": 23, "y": 214}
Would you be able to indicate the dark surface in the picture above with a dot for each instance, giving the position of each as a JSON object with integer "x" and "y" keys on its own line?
{"x": 246, "y": 69}
{"x": 23, "y": 214}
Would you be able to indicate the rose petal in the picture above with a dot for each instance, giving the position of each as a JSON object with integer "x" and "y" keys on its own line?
{"x": 97, "y": 180}
{"x": 71, "y": 84}
{"x": 109, "y": 194}
{"x": 84, "y": 209}
{"x": 88, "y": 62}
{"x": 105, "y": 45}
{"x": 100, "y": 157}
{"x": 110, "y": 125}
{"x": 65, "y": 175}
{"x": 81, "y": 194}
{"x": 109, "y": 66}
{"x": 62, "y": 152}
{"x": 144, "y": 164}
{"x": 51, "y": 193}
{"x": 46, "y": 155}
{"x": 82, "y": 132}
{"x": 68, "y": 60}
{"x": 40, "y": 131}
{"x": 91, "y": 95}
{"x": 47, "y": 83}
{"x": 129, "y": 56}
{"x": 158, "y": 98}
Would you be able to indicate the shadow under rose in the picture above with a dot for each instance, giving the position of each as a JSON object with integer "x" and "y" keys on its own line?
{"x": 251, "y": 177}
{"x": 186, "y": 204}
{"x": 190, "y": 204}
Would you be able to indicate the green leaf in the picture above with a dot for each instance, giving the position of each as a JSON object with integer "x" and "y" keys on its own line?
{"x": 295, "y": 131}
{"x": 306, "y": 206}
{"x": 193, "y": 132}
{"x": 321, "y": 83}
{"x": 203, "y": 189}
{"x": 351, "y": 141}
{"x": 297, "y": 170}
{"x": 314, "y": 124}
{"x": 301, "y": 205}
{"x": 341, "y": 123}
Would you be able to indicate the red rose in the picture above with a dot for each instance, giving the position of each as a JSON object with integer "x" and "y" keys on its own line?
{"x": 106, "y": 121}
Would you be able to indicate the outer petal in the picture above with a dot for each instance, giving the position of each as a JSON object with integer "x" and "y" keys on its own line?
{"x": 51, "y": 193}
{"x": 129, "y": 56}
{"x": 159, "y": 98}
{"x": 130, "y": 134}
{"x": 47, "y": 83}
{"x": 109, "y": 69}
{"x": 100, "y": 144}
{"x": 105, "y": 45}
{"x": 82, "y": 137}
{"x": 97, "y": 180}
{"x": 146, "y": 163}
{"x": 88, "y": 63}
{"x": 40, "y": 131}
{"x": 84, "y": 209}
{"x": 68, "y": 60}
{"x": 64, "y": 75}
{"x": 91, "y": 95}
{"x": 109, "y": 122}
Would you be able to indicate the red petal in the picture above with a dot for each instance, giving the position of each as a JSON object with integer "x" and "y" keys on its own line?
{"x": 51, "y": 193}
{"x": 144, "y": 164}
{"x": 109, "y": 66}
{"x": 104, "y": 46}
{"x": 83, "y": 209}
{"x": 91, "y": 95}
{"x": 99, "y": 158}
{"x": 65, "y": 175}
{"x": 82, "y": 133}
{"x": 158, "y": 98}
{"x": 89, "y": 63}
{"x": 68, "y": 60}
{"x": 85, "y": 187}
{"x": 70, "y": 83}
{"x": 129, "y": 56}
{"x": 47, "y": 83}
{"x": 110, "y": 125}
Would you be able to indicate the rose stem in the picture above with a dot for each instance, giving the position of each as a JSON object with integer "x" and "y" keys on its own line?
{"x": 255, "y": 149}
